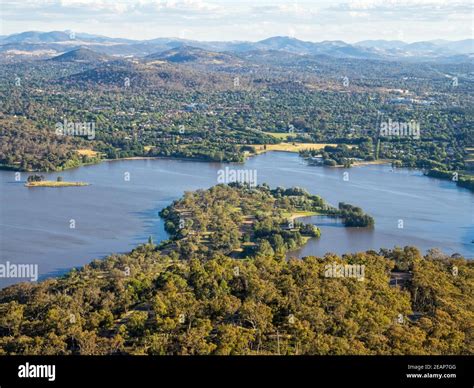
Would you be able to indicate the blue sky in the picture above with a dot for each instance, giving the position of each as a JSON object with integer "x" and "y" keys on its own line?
{"x": 317, "y": 20}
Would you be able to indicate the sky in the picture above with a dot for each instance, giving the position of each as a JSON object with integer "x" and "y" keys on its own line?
{"x": 252, "y": 20}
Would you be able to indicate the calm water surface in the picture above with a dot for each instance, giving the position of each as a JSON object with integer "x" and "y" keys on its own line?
{"x": 114, "y": 215}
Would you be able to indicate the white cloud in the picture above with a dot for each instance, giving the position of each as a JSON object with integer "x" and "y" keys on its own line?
{"x": 245, "y": 19}
{"x": 115, "y": 5}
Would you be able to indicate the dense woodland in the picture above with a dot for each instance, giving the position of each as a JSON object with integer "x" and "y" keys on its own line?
{"x": 197, "y": 109}
{"x": 241, "y": 221}
{"x": 167, "y": 300}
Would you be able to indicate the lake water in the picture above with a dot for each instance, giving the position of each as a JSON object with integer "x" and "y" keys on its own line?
{"x": 114, "y": 214}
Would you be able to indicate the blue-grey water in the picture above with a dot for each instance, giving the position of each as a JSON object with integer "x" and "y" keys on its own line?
{"x": 114, "y": 214}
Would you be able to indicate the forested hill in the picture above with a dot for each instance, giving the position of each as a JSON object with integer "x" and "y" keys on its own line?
{"x": 202, "y": 292}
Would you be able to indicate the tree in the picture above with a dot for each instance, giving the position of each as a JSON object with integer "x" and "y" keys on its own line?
{"x": 11, "y": 318}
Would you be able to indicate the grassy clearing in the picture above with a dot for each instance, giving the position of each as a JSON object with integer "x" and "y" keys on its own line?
{"x": 87, "y": 152}
{"x": 290, "y": 147}
{"x": 299, "y": 214}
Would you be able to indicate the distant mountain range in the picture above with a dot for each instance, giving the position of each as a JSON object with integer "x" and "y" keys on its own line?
{"x": 50, "y": 44}
{"x": 183, "y": 54}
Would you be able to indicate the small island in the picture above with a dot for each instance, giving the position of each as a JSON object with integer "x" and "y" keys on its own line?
{"x": 38, "y": 181}
{"x": 245, "y": 222}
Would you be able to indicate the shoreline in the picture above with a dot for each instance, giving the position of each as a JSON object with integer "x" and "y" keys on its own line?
{"x": 365, "y": 163}
{"x": 355, "y": 164}
{"x": 56, "y": 184}
{"x": 293, "y": 216}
